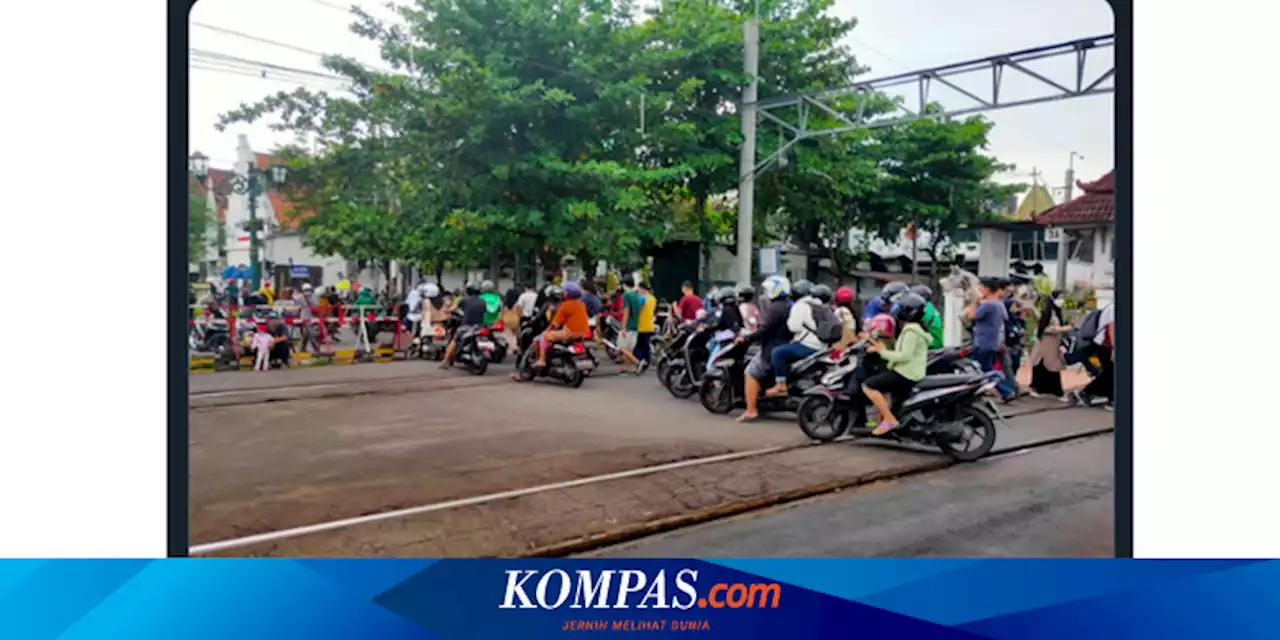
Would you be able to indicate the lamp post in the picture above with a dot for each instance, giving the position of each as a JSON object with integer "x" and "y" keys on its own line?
{"x": 253, "y": 184}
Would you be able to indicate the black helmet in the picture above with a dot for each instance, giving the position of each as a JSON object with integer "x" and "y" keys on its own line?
{"x": 892, "y": 289}
{"x": 823, "y": 293}
{"x": 746, "y": 293}
{"x": 554, "y": 292}
{"x": 922, "y": 290}
{"x": 487, "y": 286}
{"x": 910, "y": 307}
{"x": 801, "y": 288}
{"x": 473, "y": 289}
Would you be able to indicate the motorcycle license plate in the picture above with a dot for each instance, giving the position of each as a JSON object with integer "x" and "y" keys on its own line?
{"x": 585, "y": 364}
{"x": 485, "y": 344}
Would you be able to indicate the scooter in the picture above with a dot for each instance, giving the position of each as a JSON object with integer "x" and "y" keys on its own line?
{"x": 569, "y": 363}
{"x": 948, "y": 410}
{"x": 475, "y": 350}
{"x": 723, "y": 388}
{"x": 685, "y": 368}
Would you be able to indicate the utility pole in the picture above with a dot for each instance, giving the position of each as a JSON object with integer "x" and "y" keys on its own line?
{"x": 1064, "y": 242}
{"x": 747, "y": 158}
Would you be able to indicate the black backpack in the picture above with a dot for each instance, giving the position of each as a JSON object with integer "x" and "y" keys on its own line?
{"x": 827, "y": 326}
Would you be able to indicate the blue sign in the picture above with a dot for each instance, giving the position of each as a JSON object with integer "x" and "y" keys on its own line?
{"x": 299, "y": 271}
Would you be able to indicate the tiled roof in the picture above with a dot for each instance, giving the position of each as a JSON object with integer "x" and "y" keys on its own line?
{"x": 1096, "y": 206}
{"x": 279, "y": 203}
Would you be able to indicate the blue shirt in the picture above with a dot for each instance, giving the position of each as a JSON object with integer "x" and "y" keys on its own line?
{"x": 593, "y": 304}
{"x": 875, "y": 307}
{"x": 988, "y": 325}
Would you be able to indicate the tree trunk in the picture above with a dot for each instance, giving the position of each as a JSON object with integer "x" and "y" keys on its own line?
{"x": 440, "y": 275}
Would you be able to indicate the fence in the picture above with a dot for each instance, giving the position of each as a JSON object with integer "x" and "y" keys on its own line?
{"x": 318, "y": 327}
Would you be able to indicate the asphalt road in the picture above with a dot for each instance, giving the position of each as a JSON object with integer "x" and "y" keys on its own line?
{"x": 1051, "y": 502}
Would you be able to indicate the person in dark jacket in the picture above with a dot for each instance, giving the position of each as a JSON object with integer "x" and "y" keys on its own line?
{"x": 773, "y": 332}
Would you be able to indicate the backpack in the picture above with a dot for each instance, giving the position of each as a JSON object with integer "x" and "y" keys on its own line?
{"x": 1089, "y": 326}
{"x": 827, "y": 325}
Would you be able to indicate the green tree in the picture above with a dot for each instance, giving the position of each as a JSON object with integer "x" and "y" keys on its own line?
{"x": 200, "y": 226}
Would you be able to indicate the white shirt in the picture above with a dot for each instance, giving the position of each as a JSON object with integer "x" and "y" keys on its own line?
{"x": 1106, "y": 319}
{"x": 414, "y": 302}
{"x": 528, "y": 303}
{"x": 800, "y": 322}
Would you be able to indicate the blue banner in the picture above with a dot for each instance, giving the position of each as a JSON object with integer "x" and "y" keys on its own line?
{"x": 792, "y": 599}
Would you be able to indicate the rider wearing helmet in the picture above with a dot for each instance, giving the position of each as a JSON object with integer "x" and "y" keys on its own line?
{"x": 473, "y": 309}
{"x": 802, "y": 325}
{"x": 906, "y": 361}
{"x": 727, "y": 325}
{"x": 773, "y": 332}
{"x": 747, "y": 308}
{"x": 492, "y": 302}
{"x": 823, "y": 293}
{"x": 882, "y": 303}
{"x": 844, "y": 310}
{"x": 932, "y": 320}
{"x": 568, "y": 324}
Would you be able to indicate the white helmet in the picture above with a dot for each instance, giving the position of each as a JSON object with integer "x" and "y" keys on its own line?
{"x": 430, "y": 290}
{"x": 774, "y": 287}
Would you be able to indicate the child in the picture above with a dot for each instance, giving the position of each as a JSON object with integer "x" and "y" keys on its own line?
{"x": 262, "y": 343}
{"x": 906, "y": 362}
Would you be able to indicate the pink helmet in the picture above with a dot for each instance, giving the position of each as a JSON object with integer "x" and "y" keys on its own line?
{"x": 882, "y": 325}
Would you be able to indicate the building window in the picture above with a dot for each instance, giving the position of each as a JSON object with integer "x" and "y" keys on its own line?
{"x": 1030, "y": 246}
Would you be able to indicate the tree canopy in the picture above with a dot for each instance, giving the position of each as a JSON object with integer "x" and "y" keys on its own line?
{"x": 548, "y": 127}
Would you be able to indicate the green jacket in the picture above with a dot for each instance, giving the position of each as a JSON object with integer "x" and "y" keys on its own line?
{"x": 492, "y": 307}
{"x": 933, "y": 324}
{"x": 909, "y": 353}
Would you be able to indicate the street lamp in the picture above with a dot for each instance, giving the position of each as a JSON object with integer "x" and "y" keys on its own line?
{"x": 253, "y": 184}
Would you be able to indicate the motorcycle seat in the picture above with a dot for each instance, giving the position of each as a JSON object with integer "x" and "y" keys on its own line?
{"x": 946, "y": 380}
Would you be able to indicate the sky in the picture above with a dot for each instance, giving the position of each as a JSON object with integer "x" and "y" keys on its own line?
{"x": 891, "y": 37}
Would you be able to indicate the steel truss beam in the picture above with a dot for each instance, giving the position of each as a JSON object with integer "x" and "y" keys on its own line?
{"x": 804, "y": 105}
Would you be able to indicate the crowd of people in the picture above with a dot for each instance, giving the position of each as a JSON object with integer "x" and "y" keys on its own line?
{"x": 790, "y": 322}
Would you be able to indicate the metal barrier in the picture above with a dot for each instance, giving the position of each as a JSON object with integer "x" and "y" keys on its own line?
{"x": 325, "y": 320}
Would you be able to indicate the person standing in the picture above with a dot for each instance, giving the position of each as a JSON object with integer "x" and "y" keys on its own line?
{"x": 1103, "y": 346}
{"x": 1014, "y": 329}
{"x": 645, "y": 326}
{"x": 689, "y": 303}
{"x": 1046, "y": 356}
{"x": 988, "y": 316}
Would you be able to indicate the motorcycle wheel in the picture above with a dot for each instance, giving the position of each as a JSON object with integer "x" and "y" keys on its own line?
{"x": 498, "y": 356}
{"x": 818, "y": 420}
{"x": 680, "y": 382}
{"x": 662, "y": 371}
{"x": 982, "y": 426}
{"x": 716, "y": 397}
{"x": 575, "y": 378}
{"x": 479, "y": 366}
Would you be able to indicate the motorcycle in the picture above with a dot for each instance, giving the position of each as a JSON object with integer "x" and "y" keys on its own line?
{"x": 500, "y": 343}
{"x": 723, "y": 388}
{"x": 609, "y": 330}
{"x": 686, "y": 367}
{"x": 475, "y": 350}
{"x": 569, "y": 363}
{"x": 430, "y": 343}
{"x": 662, "y": 360}
{"x": 943, "y": 410}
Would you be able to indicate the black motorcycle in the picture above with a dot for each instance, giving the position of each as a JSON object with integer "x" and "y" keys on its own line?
{"x": 662, "y": 360}
{"x": 686, "y": 367}
{"x": 723, "y": 387}
{"x": 948, "y": 410}
{"x": 475, "y": 350}
{"x": 500, "y": 343}
{"x": 569, "y": 363}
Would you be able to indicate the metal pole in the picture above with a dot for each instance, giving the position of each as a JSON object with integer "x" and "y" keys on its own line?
{"x": 747, "y": 159}
{"x": 253, "y": 228}
{"x": 1064, "y": 242}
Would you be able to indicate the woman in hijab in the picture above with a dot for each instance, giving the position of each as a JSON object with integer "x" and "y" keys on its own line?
{"x": 1046, "y": 356}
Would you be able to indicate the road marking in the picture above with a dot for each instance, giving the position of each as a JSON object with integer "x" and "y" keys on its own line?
{"x": 284, "y": 534}
{"x": 344, "y": 523}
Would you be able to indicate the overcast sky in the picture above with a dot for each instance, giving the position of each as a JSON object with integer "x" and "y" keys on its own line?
{"x": 892, "y": 36}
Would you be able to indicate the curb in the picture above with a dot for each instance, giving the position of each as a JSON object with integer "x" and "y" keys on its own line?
{"x": 302, "y": 360}
{"x": 593, "y": 542}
